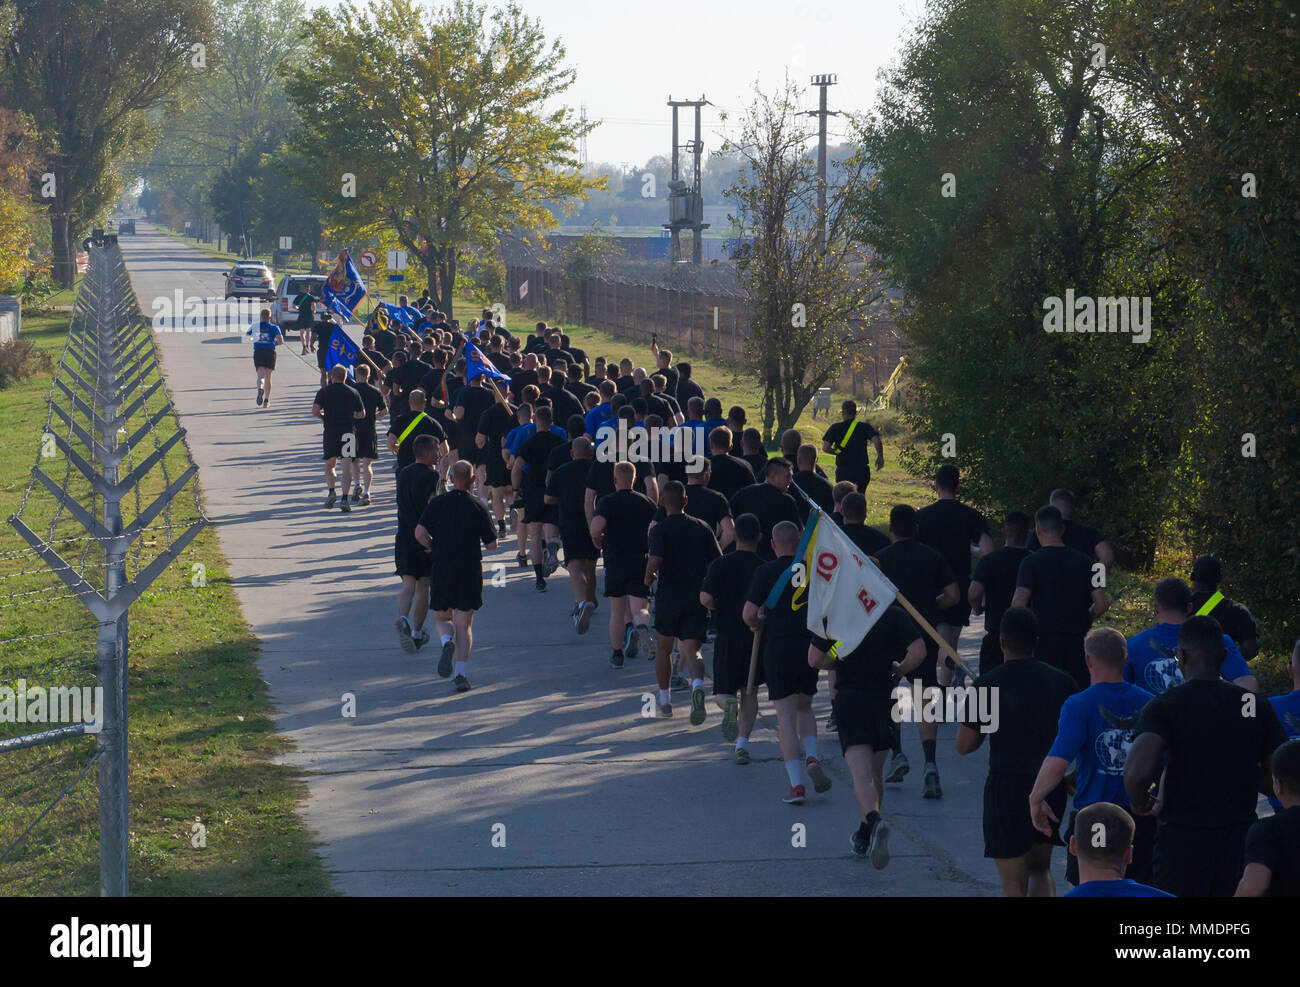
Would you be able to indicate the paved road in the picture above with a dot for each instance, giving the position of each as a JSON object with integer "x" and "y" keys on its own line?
{"x": 550, "y": 743}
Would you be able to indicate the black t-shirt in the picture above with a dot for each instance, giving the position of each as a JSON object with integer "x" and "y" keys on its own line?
{"x": 816, "y": 487}
{"x": 997, "y": 573}
{"x": 323, "y": 331}
{"x": 563, "y": 404}
{"x": 373, "y": 399}
{"x": 670, "y": 379}
{"x": 757, "y": 463}
{"x": 425, "y": 426}
{"x": 495, "y": 424}
{"x": 729, "y": 475}
{"x": 601, "y": 477}
{"x": 521, "y": 379}
{"x": 627, "y": 517}
{"x": 870, "y": 666}
{"x": 951, "y": 528}
{"x": 1236, "y": 621}
{"x": 770, "y": 506}
{"x": 415, "y": 485}
{"x": 625, "y": 383}
{"x": 687, "y": 389}
{"x": 727, "y": 581}
{"x": 784, "y": 625}
{"x": 535, "y": 451}
{"x": 380, "y": 363}
{"x": 558, "y": 354}
{"x": 1275, "y": 843}
{"x": 687, "y": 546}
{"x": 560, "y": 455}
{"x": 385, "y": 342}
{"x": 459, "y": 526}
{"x": 1059, "y": 580}
{"x": 851, "y": 462}
{"x": 1080, "y": 537}
{"x": 1030, "y": 695}
{"x": 475, "y": 400}
{"x": 867, "y": 538}
{"x": 656, "y": 405}
{"x": 1213, "y": 751}
{"x": 339, "y": 402}
{"x": 578, "y": 389}
{"x": 919, "y": 572}
{"x": 305, "y": 303}
{"x": 404, "y": 379}
{"x": 568, "y": 483}
{"x": 703, "y": 504}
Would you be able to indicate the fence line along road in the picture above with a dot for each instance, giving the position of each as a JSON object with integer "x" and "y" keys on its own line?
{"x": 122, "y": 447}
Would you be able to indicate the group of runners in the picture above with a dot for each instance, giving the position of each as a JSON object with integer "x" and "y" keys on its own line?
{"x": 698, "y": 535}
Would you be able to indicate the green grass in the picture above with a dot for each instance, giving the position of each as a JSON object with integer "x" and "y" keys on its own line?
{"x": 202, "y": 744}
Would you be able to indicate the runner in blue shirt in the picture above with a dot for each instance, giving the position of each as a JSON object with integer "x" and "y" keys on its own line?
{"x": 266, "y": 336}
{"x": 1287, "y": 707}
{"x": 1095, "y": 731}
{"x": 1151, "y": 654}
{"x": 1104, "y": 853}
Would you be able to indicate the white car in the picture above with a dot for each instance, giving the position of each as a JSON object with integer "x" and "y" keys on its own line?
{"x": 250, "y": 278}
{"x": 291, "y": 286}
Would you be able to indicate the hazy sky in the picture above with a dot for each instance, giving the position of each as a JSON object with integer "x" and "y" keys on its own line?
{"x": 630, "y": 56}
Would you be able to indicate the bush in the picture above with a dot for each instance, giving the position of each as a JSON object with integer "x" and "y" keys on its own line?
{"x": 21, "y": 359}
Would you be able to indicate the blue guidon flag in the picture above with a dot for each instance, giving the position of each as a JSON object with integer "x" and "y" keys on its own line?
{"x": 343, "y": 287}
{"x": 341, "y": 350}
{"x": 476, "y": 364}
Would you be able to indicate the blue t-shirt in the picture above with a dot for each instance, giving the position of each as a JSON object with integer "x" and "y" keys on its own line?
{"x": 520, "y": 434}
{"x": 1287, "y": 709}
{"x": 701, "y": 428}
{"x": 1152, "y": 665}
{"x": 1123, "y": 888}
{"x": 709, "y": 425}
{"x": 1095, "y": 730}
{"x": 264, "y": 335}
{"x": 597, "y": 416}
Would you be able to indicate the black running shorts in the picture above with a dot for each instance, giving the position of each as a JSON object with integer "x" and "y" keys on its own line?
{"x": 786, "y": 668}
{"x": 456, "y": 588}
{"x": 334, "y": 441}
{"x": 498, "y": 474}
{"x": 679, "y": 617}
{"x": 731, "y": 665}
{"x": 626, "y": 577}
{"x": 1008, "y": 829}
{"x": 367, "y": 442}
{"x": 409, "y": 557}
{"x": 578, "y": 546}
{"x": 264, "y": 357}
{"x": 864, "y": 719}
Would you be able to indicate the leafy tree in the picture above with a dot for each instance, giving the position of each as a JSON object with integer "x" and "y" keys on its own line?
{"x": 86, "y": 71}
{"x": 1054, "y": 183}
{"x": 446, "y": 124}
{"x": 803, "y": 298}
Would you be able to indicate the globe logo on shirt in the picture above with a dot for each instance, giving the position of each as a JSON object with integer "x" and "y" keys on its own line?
{"x": 1112, "y": 745}
{"x": 1162, "y": 674}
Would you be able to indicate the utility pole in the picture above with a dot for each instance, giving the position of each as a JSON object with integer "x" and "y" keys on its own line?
{"x": 822, "y": 82}
{"x": 686, "y": 205}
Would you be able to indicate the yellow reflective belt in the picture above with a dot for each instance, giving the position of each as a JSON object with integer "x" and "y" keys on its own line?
{"x": 843, "y": 443}
{"x": 407, "y": 431}
{"x": 1210, "y": 604}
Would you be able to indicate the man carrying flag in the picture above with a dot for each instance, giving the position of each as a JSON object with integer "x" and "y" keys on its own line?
{"x": 851, "y": 602}
{"x": 471, "y": 401}
{"x": 341, "y": 351}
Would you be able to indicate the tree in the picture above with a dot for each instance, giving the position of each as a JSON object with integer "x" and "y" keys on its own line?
{"x": 86, "y": 71}
{"x": 804, "y": 300}
{"x": 1011, "y": 169}
{"x": 445, "y": 125}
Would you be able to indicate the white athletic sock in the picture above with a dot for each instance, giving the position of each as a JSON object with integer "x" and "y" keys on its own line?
{"x": 795, "y": 770}
{"x": 462, "y": 667}
{"x": 809, "y": 746}
{"x": 446, "y": 638}
{"x": 697, "y": 683}
{"x": 664, "y": 695}
{"x": 742, "y": 742}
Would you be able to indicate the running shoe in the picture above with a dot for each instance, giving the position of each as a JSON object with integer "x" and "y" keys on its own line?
{"x": 932, "y": 789}
{"x": 259, "y": 395}
{"x": 585, "y": 609}
{"x": 421, "y": 639}
{"x": 404, "y": 637}
{"x": 552, "y": 557}
{"x": 344, "y": 506}
{"x": 878, "y": 845}
{"x": 859, "y": 843}
{"x": 647, "y": 642}
{"x": 630, "y": 641}
{"x": 742, "y": 755}
{"x": 698, "y": 711}
{"x": 521, "y": 560}
{"x": 665, "y": 710}
{"x": 898, "y": 767}
{"x": 616, "y": 659}
{"x": 461, "y": 683}
{"x": 356, "y": 494}
{"x": 573, "y": 615}
{"x": 678, "y": 684}
{"x": 830, "y": 722}
{"x": 444, "y": 660}
{"x": 541, "y": 584}
{"x": 501, "y": 529}
{"x": 329, "y": 501}
{"x": 821, "y": 783}
{"x": 795, "y": 797}
{"x": 365, "y": 500}
{"x": 730, "y": 720}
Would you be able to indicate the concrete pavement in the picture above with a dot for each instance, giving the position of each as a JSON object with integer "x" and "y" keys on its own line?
{"x": 550, "y": 744}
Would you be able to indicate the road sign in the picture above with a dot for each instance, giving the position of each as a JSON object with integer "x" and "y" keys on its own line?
{"x": 397, "y": 260}
{"x": 397, "y": 277}
{"x": 286, "y": 244}
{"x": 368, "y": 258}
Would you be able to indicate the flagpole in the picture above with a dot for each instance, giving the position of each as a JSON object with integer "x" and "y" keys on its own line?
{"x": 752, "y": 687}
{"x": 944, "y": 646}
